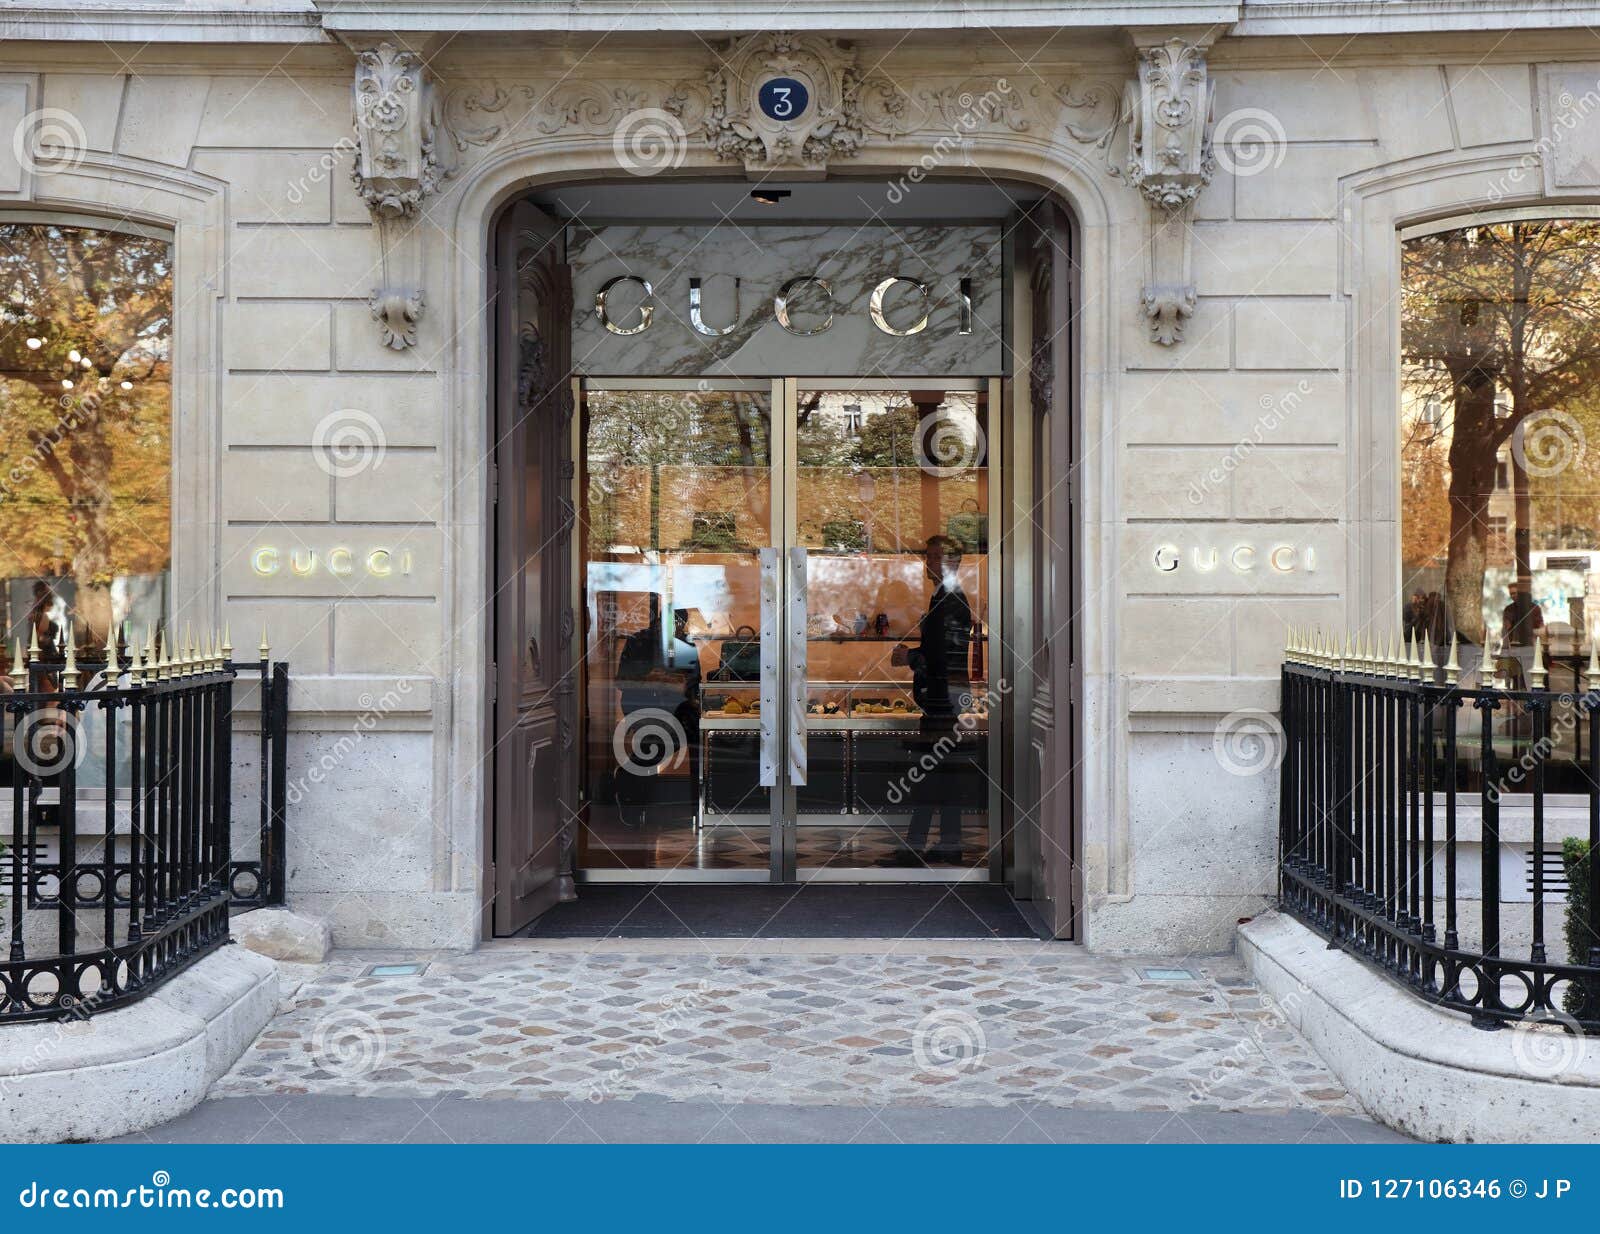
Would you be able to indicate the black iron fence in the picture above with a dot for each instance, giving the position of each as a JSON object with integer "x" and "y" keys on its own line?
{"x": 1422, "y": 800}
{"x": 123, "y": 774}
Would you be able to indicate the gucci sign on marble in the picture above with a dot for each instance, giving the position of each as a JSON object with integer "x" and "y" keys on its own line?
{"x": 807, "y": 300}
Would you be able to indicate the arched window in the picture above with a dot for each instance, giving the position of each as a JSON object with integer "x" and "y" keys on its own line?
{"x": 85, "y": 432}
{"x": 1500, "y": 439}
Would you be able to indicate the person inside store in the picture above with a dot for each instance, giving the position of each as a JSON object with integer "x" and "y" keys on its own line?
{"x": 940, "y": 682}
{"x": 661, "y": 677}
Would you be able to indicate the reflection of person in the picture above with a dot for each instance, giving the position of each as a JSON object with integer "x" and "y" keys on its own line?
{"x": 939, "y": 679}
{"x": 1520, "y": 620}
{"x": 663, "y": 679}
{"x": 44, "y": 626}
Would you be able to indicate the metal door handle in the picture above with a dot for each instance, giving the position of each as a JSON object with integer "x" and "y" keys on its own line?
{"x": 798, "y": 645}
{"x": 768, "y": 720}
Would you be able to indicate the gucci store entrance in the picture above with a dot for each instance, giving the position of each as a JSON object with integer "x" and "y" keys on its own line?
{"x": 782, "y": 546}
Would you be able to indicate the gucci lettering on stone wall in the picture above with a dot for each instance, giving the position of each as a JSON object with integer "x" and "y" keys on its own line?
{"x": 269, "y": 561}
{"x": 783, "y": 304}
{"x": 1241, "y": 558}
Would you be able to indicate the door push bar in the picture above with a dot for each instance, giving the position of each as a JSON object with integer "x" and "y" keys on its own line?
{"x": 777, "y": 706}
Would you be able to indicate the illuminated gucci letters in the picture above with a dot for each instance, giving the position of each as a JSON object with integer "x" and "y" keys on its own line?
{"x": 1241, "y": 558}
{"x": 269, "y": 561}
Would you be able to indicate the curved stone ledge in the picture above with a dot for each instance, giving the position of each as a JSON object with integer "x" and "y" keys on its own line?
{"x": 1421, "y": 1070}
{"x": 129, "y": 1069}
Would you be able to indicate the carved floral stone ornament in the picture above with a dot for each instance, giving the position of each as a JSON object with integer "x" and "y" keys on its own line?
{"x": 396, "y": 122}
{"x": 1170, "y": 162}
{"x": 785, "y": 100}
{"x": 1169, "y": 143}
{"x": 397, "y": 127}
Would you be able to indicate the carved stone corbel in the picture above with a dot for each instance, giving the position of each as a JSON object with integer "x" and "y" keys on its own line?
{"x": 396, "y": 168}
{"x": 397, "y": 124}
{"x": 397, "y": 311}
{"x": 1168, "y": 109}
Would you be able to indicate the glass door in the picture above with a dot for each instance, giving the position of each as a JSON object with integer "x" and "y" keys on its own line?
{"x": 887, "y": 489}
{"x": 678, "y": 574}
{"x": 787, "y": 597}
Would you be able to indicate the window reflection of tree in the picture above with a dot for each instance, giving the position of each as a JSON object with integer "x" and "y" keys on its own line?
{"x": 85, "y": 381}
{"x": 1500, "y": 339}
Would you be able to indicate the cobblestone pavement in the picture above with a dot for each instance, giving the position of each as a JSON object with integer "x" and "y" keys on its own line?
{"x": 947, "y": 1024}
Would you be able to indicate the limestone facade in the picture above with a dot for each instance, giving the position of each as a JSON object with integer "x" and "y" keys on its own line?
{"x": 1269, "y": 421}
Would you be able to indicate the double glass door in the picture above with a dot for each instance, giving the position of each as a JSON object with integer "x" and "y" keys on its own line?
{"x": 787, "y": 597}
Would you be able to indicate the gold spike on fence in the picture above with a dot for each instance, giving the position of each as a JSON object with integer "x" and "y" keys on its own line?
{"x": 69, "y": 675}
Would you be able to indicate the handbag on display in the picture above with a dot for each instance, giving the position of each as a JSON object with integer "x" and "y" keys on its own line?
{"x": 739, "y": 657}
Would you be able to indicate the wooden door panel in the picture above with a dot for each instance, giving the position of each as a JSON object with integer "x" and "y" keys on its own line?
{"x": 534, "y": 838}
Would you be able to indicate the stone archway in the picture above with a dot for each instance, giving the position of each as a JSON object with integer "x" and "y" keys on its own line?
{"x": 571, "y": 138}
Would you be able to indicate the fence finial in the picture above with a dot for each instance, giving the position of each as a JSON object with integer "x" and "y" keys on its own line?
{"x": 1408, "y": 665}
{"x": 227, "y": 645}
{"x": 33, "y": 644}
{"x": 1489, "y": 670}
{"x": 113, "y": 669}
{"x": 19, "y": 671}
{"x": 1536, "y": 673}
{"x": 1427, "y": 658}
{"x": 265, "y": 648}
{"x": 1345, "y": 656}
{"x": 69, "y": 676}
{"x": 1594, "y": 660}
{"x": 135, "y": 667}
{"x": 1452, "y": 668}
{"x": 164, "y": 663}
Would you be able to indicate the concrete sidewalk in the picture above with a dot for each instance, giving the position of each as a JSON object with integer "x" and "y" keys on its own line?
{"x": 652, "y": 1120}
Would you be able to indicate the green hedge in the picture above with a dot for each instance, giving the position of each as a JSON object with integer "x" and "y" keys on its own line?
{"x": 1580, "y": 933}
